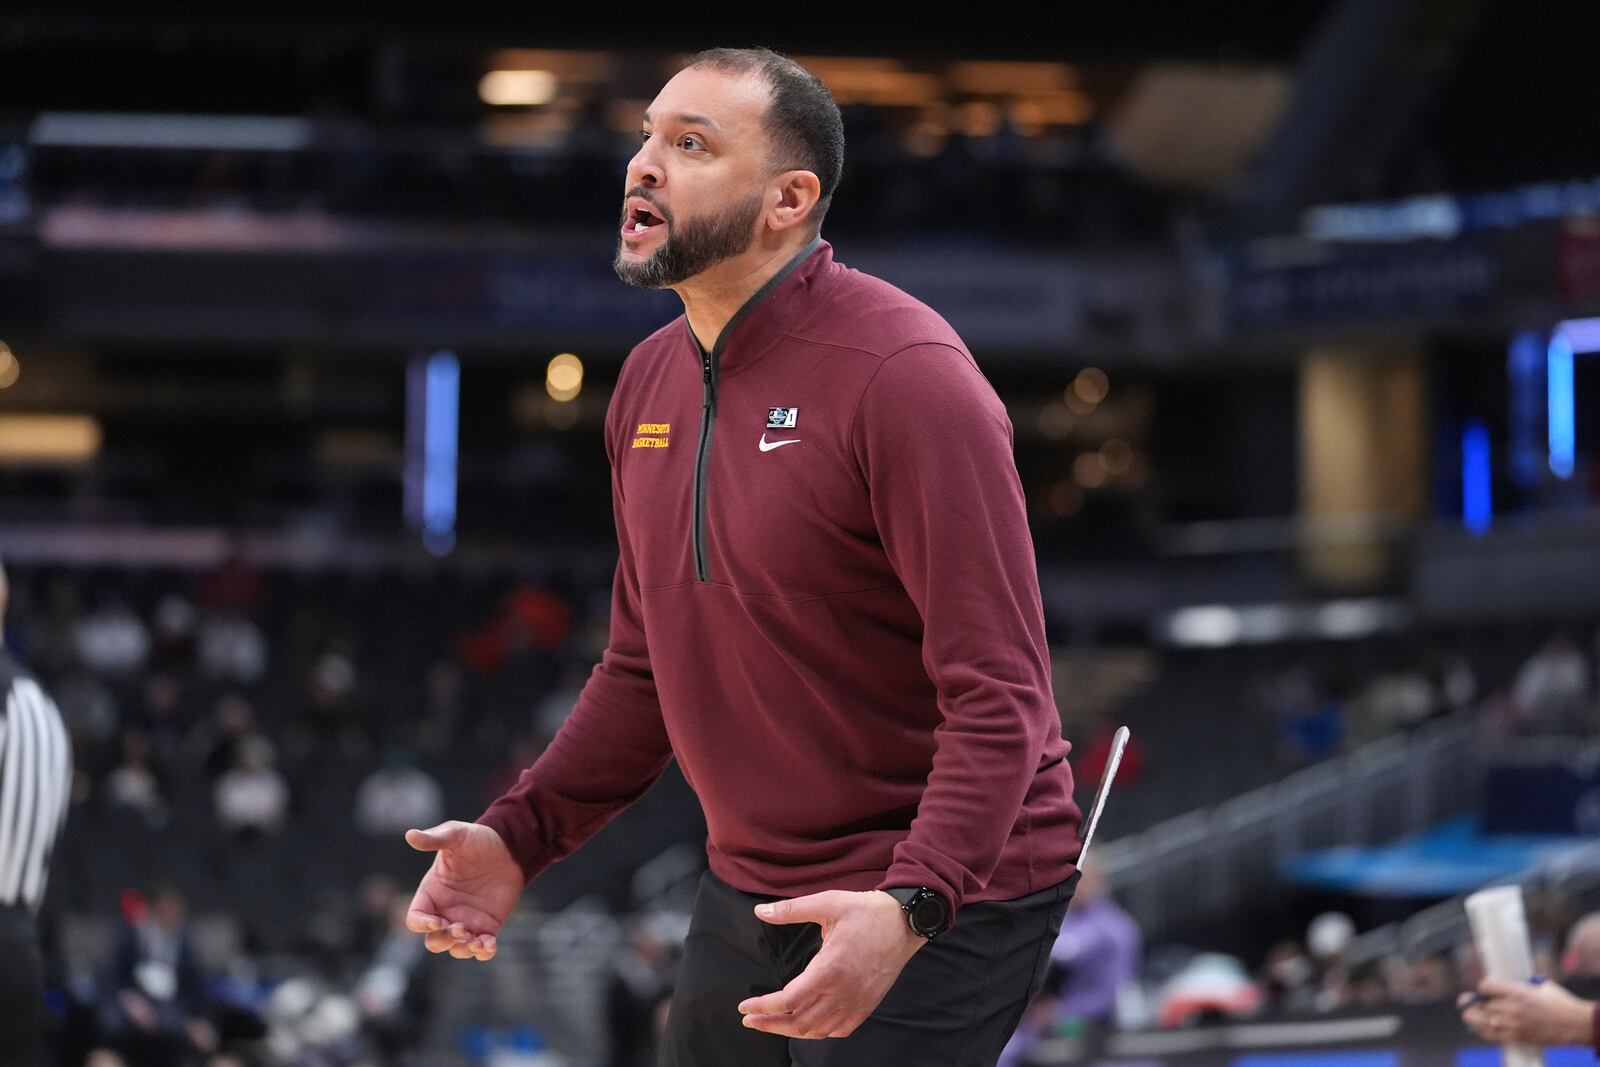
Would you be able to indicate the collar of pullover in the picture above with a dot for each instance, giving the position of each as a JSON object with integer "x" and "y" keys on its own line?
{"x": 774, "y": 308}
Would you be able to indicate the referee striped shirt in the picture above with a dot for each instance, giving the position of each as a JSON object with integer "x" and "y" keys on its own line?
{"x": 35, "y": 784}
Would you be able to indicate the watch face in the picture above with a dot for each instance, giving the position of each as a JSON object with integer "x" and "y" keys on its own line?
{"x": 928, "y": 913}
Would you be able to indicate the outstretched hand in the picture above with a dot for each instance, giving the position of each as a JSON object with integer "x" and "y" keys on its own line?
{"x": 866, "y": 943}
{"x": 468, "y": 893}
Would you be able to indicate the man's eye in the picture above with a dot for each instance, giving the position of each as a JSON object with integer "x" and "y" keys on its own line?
{"x": 644, "y": 135}
{"x": 691, "y": 141}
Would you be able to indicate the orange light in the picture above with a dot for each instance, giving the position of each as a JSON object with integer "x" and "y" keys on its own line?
{"x": 1055, "y": 422}
{"x": 1091, "y": 385}
{"x": 1089, "y": 470}
{"x": 1117, "y": 455}
{"x": 1065, "y": 499}
{"x": 518, "y": 88}
{"x": 998, "y": 76}
{"x": 563, "y": 379}
{"x": 48, "y": 438}
{"x": 978, "y": 118}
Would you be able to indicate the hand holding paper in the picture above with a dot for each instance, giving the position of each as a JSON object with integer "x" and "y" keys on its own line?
{"x": 1500, "y": 931}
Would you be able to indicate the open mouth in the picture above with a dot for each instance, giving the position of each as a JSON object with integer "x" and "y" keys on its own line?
{"x": 640, "y": 221}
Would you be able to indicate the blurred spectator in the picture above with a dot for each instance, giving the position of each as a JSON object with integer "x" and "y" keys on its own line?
{"x": 90, "y": 711}
{"x": 133, "y": 785}
{"x": 1365, "y": 988}
{"x": 252, "y": 798}
{"x": 311, "y": 1024}
{"x": 232, "y": 649}
{"x": 1399, "y": 699}
{"x": 444, "y": 707}
{"x": 1552, "y": 689}
{"x": 638, "y": 987}
{"x": 330, "y": 709}
{"x": 113, "y": 640}
{"x": 520, "y": 755}
{"x": 398, "y": 796}
{"x": 1210, "y": 987}
{"x": 374, "y": 899}
{"x": 235, "y": 586}
{"x": 217, "y": 743}
{"x": 1327, "y": 937}
{"x": 161, "y": 716}
{"x": 1288, "y": 978}
{"x": 1581, "y": 957}
{"x": 1468, "y": 965}
{"x": 533, "y": 620}
{"x": 554, "y": 709}
{"x": 1451, "y": 681}
{"x": 393, "y": 992}
{"x": 53, "y": 639}
{"x": 156, "y": 1012}
{"x": 1096, "y": 953}
{"x": 1311, "y": 726}
{"x": 1429, "y": 980}
{"x": 1090, "y": 759}
{"x": 173, "y": 637}
{"x": 1094, "y": 958}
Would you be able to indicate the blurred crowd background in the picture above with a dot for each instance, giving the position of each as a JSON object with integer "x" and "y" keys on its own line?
{"x": 307, "y": 329}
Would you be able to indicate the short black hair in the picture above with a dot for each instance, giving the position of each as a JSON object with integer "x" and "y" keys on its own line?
{"x": 802, "y": 118}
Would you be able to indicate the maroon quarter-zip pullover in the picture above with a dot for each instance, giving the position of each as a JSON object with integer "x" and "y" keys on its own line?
{"x": 826, "y": 608}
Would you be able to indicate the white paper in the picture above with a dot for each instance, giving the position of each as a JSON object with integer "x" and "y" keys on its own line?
{"x": 1500, "y": 931}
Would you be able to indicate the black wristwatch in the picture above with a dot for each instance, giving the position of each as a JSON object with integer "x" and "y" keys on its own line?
{"x": 927, "y": 913}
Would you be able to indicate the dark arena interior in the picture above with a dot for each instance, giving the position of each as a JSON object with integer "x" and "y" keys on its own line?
{"x": 308, "y": 331}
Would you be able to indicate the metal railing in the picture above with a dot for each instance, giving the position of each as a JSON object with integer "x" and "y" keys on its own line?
{"x": 1573, "y": 873}
{"x": 1207, "y": 861}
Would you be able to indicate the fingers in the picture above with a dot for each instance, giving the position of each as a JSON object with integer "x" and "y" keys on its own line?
{"x": 420, "y": 922}
{"x": 816, "y": 908}
{"x": 792, "y": 999}
{"x": 445, "y": 835}
{"x": 772, "y": 1004}
{"x": 461, "y": 944}
{"x": 1502, "y": 987}
{"x": 819, "y": 1019}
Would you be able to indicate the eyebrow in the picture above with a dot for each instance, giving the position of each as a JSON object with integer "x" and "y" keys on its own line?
{"x": 689, "y": 120}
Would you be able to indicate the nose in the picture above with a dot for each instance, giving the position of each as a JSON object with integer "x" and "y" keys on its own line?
{"x": 644, "y": 169}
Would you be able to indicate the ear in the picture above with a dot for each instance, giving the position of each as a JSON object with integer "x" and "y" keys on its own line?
{"x": 794, "y": 193}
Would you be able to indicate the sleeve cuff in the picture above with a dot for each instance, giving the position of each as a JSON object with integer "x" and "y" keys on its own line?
{"x": 516, "y": 830}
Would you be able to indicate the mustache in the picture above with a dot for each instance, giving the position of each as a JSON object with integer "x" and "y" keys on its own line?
{"x": 644, "y": 194}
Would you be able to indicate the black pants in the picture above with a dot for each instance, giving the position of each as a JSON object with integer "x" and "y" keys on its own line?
{"x": 21, "y": 990}
{"x": 955, "y": 1004}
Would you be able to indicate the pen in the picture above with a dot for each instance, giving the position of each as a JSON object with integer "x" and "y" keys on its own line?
{"x": 1479, "y": 998}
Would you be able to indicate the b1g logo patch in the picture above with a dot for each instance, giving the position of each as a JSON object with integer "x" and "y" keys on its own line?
{"x": 782, "y": 418}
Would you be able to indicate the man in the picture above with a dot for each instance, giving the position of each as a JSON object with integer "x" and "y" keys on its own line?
{"x": 35, "y": 785}
{"x": 156, "y": 1003}
{"x": 826, "y": 608}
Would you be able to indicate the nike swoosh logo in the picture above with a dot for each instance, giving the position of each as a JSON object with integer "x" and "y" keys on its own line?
{"x": 768, "y": 446}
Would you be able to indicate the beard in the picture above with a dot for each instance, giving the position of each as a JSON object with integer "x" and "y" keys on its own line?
{"x": 698, "y": 245}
